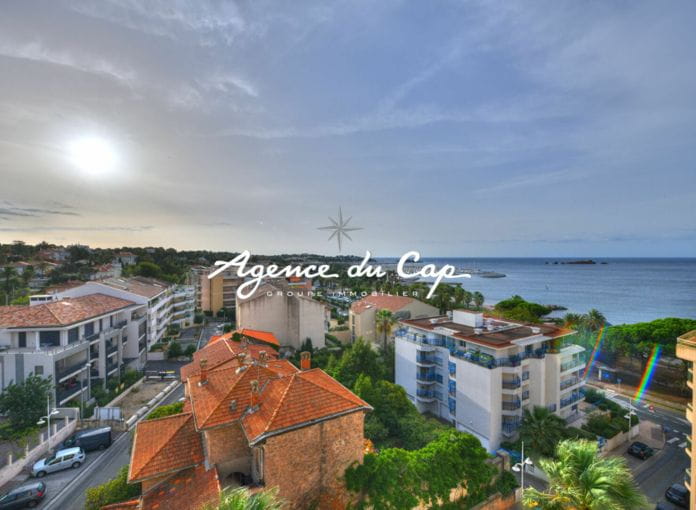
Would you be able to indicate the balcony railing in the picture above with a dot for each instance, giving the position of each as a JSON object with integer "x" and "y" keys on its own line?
{"x": 67, "y": 370}
{"x": 569, "y": 365}
{"x": 568, "y": 383}
{"x": 511, "y": 384}
{"x": 120, "y": 324}
{"x": 110, "y": 367}
{"x": 511, "y": 405}
{"x": 425, "y": 394}
{"x": 551, "y": 407}
{"x": 525, "y": 395}
{"x": 525, "y": 376}
{"x": 111, "y": 348}
{"x": 568, "y": 401}
{"x": 65, "y": 393}
{"x": 427, "y": 378}
{"x": 510, "y": 428}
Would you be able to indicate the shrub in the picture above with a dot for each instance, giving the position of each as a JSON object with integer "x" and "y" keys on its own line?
{"x": 198, "y": 318}
{"x": 190, "y": 350}
{"x": 113, "y": 491}
{"x": 168, "y": 410}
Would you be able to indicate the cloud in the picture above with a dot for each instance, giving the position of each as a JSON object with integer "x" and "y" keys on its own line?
{"x": 9, "y": 210}
{"x": 36, "y": 51}
{"x": 77, "y": 229}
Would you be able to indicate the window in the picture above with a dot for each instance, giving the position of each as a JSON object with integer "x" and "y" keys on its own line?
{"x": 68, "y": 457}
{"x": 49, "y": 338}
{"x": 22, "y": 339}
{"x": 89, "y": 328}
{"x": 38, "y": 370}
{"x": 73, "y": 335}
{"x": 111, "y": 321}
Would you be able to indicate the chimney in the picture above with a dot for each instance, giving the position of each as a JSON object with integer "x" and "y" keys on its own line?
{"x": 254, "y": 393}
{"x": 305, "y": 360}
{"x": 204, "y": 372}
{"x": 263, "y": 357}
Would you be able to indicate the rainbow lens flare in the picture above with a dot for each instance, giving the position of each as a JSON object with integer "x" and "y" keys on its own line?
{"x": 648, "y": 373}
{"x": 595, "y": 352}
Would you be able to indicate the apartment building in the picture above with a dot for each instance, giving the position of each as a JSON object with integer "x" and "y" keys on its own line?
{"x": 686, "y": 350}
{"x": 78, "y": 342}
{"x": 361, "y": 318}
{"x": 213, "y": 294}
{"x": 159, "y": 297}
{"x": 250, "y": 419}
{"x": 291, "y": 315}
{"x": 183, "y": 305}
{"x": 480, "y": 373}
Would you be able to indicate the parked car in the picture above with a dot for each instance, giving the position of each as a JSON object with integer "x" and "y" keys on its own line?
{"x": 24, "y": 496}
{"x": 678, "y": 495}
{"x": 89, "y": 439}
{"x": 62, "y": 459}
{"x": 640, "y": 450}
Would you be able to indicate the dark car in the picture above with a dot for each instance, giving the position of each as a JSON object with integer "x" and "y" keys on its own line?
{"x": 25, "y": 496}
{"x": 640, "y": 450}
{"x": 678, "y": 495}
{"x": 89, "y": 439}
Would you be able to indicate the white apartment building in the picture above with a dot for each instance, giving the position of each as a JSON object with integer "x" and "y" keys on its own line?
{"x": 183, "y": 305}
{"x": 157, "y": 295}
{"x": 78, "y": 342}
{"x": 480, "y": 373}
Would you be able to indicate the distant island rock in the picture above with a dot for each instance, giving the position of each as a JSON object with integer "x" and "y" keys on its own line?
{"x": 583, "y": 261}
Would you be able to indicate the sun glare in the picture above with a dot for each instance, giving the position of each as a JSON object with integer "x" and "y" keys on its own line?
{"x": 92, "y": 155}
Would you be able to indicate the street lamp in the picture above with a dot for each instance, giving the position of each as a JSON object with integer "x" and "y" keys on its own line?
{"x": 521, "y": 466}
{"x": 631, "y": 412}
{"x": 47, "y": 418}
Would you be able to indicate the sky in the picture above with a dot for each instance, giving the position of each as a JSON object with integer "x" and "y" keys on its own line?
{"x": 455, "y": 128}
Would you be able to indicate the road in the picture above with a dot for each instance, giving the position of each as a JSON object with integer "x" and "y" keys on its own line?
{"x": 66, "y": 491}
{"x": 102, "y": 468}
{"x": 667, "y": 466}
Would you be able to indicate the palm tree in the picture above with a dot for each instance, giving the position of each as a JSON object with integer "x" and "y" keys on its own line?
{"x": 478, "y": 299}
{"x": 594, "y": 319}
{"x": 384, "y": 323}
{"x": 580, "y": 480}
{"x": 572, "y": 320}
{"x": 241, "y": 499}
{"x": 541, "y": 430}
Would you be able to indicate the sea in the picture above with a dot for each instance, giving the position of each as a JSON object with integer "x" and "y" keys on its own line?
{"x": 625, "y": 290}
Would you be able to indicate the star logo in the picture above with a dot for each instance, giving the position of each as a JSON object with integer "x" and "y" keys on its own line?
{"x": 340, "y": 228}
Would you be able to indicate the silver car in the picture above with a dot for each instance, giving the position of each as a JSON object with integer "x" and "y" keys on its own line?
{"x": 62, "y": 459}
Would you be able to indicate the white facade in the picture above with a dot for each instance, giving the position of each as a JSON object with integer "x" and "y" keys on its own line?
{"x": 159, "y": 298}
{"x": 75, "y": 356}
{"x": 183, "y": 305}
{"x": 451, "y": 368}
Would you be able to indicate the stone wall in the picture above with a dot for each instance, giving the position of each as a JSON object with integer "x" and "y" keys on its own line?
{"x": 307, "y": 465}
{"x": 228, "y": 450}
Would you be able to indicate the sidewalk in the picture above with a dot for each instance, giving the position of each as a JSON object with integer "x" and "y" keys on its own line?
{"x": 648, "y": 398}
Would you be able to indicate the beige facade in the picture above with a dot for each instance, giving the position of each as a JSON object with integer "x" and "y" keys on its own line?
{"x": 289, "y": 315}
{"x": 361, "y": 318}
{"x": 686, "y": 350}
{"x": 213, "y": 294}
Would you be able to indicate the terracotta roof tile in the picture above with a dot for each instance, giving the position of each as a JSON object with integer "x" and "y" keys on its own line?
{"x": 192, "y": 489}
{"x": 164, "y": 445}
{"x": 61, "y": 313}
{"x": 223, "y": 352}
{"x": 380, "y": 302}
{"x": 262, "y": 336}
{"x": 299, "y": 399}
{"x": 131, "y": 504}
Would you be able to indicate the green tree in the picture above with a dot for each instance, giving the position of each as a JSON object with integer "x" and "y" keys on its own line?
{"x": 9, "y": 278}
{"x": 113, "y": 491}
{"x": 572, "y": 320}
{"x": 359, "y": 358}
{"x": 147, "y": 269}
{"x": 396, "y": 478}
{"x": 541, "y": 430}
{"x": 594, "y": 319}
{"x": 174, "y": 350}
{"x": 384, "y": 324}
{"x": 241, "y": 499}
{"x": 478, "y": 299}
{"x": 581, "y": 480}
{"x": 25, "y": 403}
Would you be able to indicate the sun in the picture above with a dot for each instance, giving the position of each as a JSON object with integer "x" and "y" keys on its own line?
{"x": 92, "y": 155}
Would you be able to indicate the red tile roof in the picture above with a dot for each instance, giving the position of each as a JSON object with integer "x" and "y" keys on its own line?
{"x": 262, "y": 336}
{"x": 298, "y": 400}
{"x": 164, "y": 445}
{"x": 192, "y": 489}
{"x": 61, "y": 313}
{"x": 380, "y": 302}
{"x": 131, "y": 504}
{"x": 224, "y": 351}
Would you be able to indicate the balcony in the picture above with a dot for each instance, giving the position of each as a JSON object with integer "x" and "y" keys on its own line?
{"x": 525, "y": 395}
{"x": 426, "y": 378}
{"x": 569, "y": 382}
{"x": 111, "y": 367}
{"x": 511, "y": 405}
{"x": 525, "y": 375}
{"x": 428, "y": 360}
{"x": 120, "y": 324}
{"x": 425, "y": 395}
{"x": 511, "y": 384}
{"x": 689, "y": 412}
{"x": 570, "y": 400}
{"x": 452, "y": 369}
{"x": 572, "y": 365}
{"x": 64, "y": 394}
{"x": 551, "y": 407}
{"x": 64, "y": 372}
{"x": 111, "y": 348}
{"x": 452, "y": 405}
{"x": 510, "y": 428}
{"x": 688, "y": 445}
{"x": 92, "y": 337}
